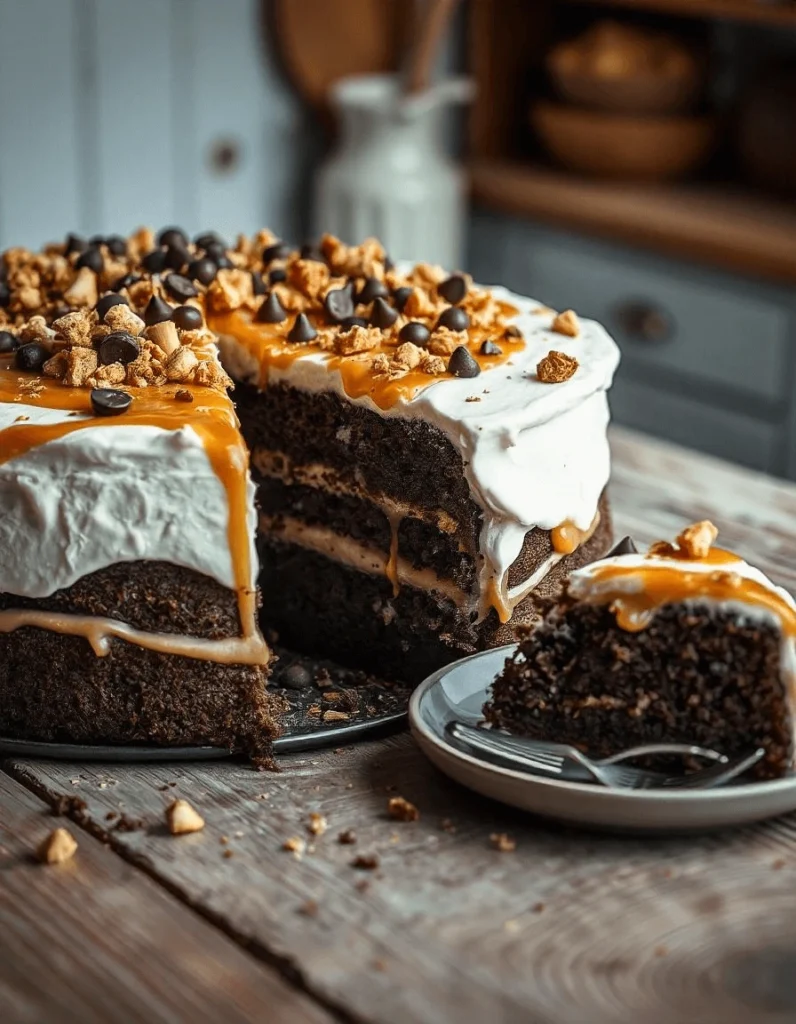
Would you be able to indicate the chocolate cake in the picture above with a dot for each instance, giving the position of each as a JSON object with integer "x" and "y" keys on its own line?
{"x": 687, "y": 644}
{"x": 128, "y": 607}
{"x": 430, "y": 455}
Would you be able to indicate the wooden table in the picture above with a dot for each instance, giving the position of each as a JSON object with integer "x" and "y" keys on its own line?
{"x": 226, "y": 926}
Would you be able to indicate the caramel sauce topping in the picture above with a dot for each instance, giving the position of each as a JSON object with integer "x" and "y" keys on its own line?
{"x": 269, "y": 347}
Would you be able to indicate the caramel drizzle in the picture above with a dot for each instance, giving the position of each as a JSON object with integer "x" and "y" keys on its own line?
{"x": 268, "y": 346}
{"x": 662, "y": 585}
{"x": 212, "y": 416}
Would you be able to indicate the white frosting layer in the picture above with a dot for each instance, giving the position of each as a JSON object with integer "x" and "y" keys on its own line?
{"x": 111, "y": 494}
{"x": 535, "y": 455}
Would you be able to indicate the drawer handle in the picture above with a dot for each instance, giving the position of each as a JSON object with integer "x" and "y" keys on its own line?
{"x": 641, "y": 321}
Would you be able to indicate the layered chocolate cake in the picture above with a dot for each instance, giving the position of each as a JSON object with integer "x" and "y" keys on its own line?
{"x": 431, "y": 456}
{"x": 687, "y": 644}
{"x": 128, "y": 607}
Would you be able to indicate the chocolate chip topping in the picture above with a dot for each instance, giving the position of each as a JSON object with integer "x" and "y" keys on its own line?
{"x": 154, "y": 261}
{"x": 489, "y": 348}
{"x": 453, "y": 289}
{"x": 91, "y": 258}
{"x": 125, "y": 282}
{"x": 173, "y": 236}
{"x": 302, "y": 330}
{"x": 5, "y": 294}
{"x": 353, "y": 321}
{"x": 209, "y": 238}
{"x": 399, "y": 297}
{"x": 177, "y": 257}
{"x": 118, "y": 347}
{"x": 295, "y": 677}
{"x": 512, "y": 331}
{"x": 277, "y": 251}
{"x": 415, "y": 332}
{"x": 339, "y": 304}
{"x": 372, "y": 289}
{"x": 187, "y": 318}
{"x": 31, "y": 357}
{"x": 217, "y": 252}
{"x": 624, "y": 547}
{"x": 203, "y": 270}
{"x": 110, "y": 402}
{"x": 8, "y": 343}
{"x": 179, "y": 287}
{"x": 117, "y": 245}
{"x": 277, "y": 275}
{"x": 383, "y": 315}
{"x": 271, "y": 310}
{"x": 258, "y": 285}
{"x": 462, "y": 364}
{"x": 454, "y": 318}
{"x": 75, "y": 243}
{"x": 157, "y": 311}
{"x": 311, "y": 252}
{"x": 108, "y": 302}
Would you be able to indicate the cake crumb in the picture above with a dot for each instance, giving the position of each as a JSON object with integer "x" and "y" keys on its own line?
{"x": 778, "y": 864}
{"x": 472, "y": 398}
{"x": 379, "y": 965}
{"x": 661, "y": 951}
{"x": 314, "y": 709}
{"x": 362, "y": 885}
{"x": 503, "y": 842}
{"x": 401, "y": 809}
{"x": 183, "y": 819}
{"x": 336, "y": 716}
{"x": 512, "y": 925}
{"x": 309, "y": 908}
{"x": 538, "y": 908}
{"x": 556, "y": 367}
{"x": 317, "y": 824}
{"x": 366, "y": 861}
{"x": 183, "y": 395}
{"x": 295, "y": 845}
{"x": 347, "y": 837}
{"x": 447, "y": 826}
{"x": 59, "y": 846}
{"x": 228, "y": 853}
{"x": 566, "y": 323}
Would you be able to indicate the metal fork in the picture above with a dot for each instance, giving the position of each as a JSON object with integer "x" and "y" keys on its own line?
{"x": 558, "y": 760}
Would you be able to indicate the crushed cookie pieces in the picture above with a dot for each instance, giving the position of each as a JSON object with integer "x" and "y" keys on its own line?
{"x": 336, "y": 716}
{"x": 347, "y": 837}
{"x": 503, "y": 842}
{"x": 402, "y": 810}
{"x": 183, "y": 395}
{"x": 358, "y": 339}
{"x": 556, "y": 367}
{"x": 566, "y": 323}
{"x": 59, "y": 846}
{"x": 295, "y": 845}
{"x": 696, "y": 540}
{"x": 317, "y": 824}
{"x": 366, "y": 861}
{"x": 182, "y": 819}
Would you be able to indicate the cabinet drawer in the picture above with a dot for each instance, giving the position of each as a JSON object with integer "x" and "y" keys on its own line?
{"x": 661, "y": 319}
{"x": 728, "y": 435}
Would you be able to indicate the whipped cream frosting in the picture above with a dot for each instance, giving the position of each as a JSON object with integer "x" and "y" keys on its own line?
{"x": 534, "y": 454}
{"x": 104, "y": 495}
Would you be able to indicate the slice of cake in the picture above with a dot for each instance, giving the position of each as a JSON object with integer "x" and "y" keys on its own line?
{"x": 687, "y": 644}
{"x": 430, "y": 455}
{"x": 128, "y": 600}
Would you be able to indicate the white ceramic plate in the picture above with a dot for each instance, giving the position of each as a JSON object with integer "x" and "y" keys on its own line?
{"x": 457, "y": 693}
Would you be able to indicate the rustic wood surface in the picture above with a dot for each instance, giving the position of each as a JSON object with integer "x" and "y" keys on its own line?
{"x": 571, "y": 926}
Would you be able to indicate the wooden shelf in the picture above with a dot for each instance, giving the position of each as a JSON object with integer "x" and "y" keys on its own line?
{"x": 732, "y": 10}
{"x": 722, "y": 227}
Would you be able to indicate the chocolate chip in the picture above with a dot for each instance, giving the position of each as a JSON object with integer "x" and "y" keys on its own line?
{"x": 453, "y": 289}
{"x": 399, "y": 297}
{"x": 74, "y": 243}
{"x": 352, "y": 321}
{"x": 489, "y": 348}
{"x": 118, "y": 347}
{"x": 309, "y": 251}
{"x": 125, "y": 282}
{"x": 388, "y": 263}
{"x": 462, "y": 364}
{"x": 383, "y": 315}
{"x": 5, "y": 295}
{"x": 271, "y": 311}
{"x": 91, "y": 258}
{"x": 277, "y": 274}
{"x": 8, "y": 343}
{"x": 154, "y": 261}
{"x": 173, "y": 236}
{"x": 179, "y": 287}
{"x": 108, "y": 302}
{"x": 302, "y": 330}
{"x": 512, "y": 331}
{"x": 209, "y": 238}
{"x": 339, "y": 304}
{"x": 415, "y": 332}
{"x": 454, "y": 318}
{"x": 177, "y": 257}
{"x": 203, "y": 270}
{"x": 296, "y": 677}
{"x": 117, "y": 245}
{"x": 187, "y": 318}
{"x": 109, "y": 401}
{"x": 157, "y": 311}
{"x": 372, "y": 289}
{"x": 217, "y": 252}
{"x": 258, "y": 285}
{"x": 31, "y": 357}
{"x": 276, "y": 251}
{"x": 624, "y": 547}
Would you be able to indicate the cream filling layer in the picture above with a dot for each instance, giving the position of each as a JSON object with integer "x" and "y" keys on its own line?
{"x": 238, "y": 650}
{"x": 362, "y": 557}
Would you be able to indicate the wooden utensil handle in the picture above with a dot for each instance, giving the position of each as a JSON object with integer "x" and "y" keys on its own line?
{"x": 431, "y": 31}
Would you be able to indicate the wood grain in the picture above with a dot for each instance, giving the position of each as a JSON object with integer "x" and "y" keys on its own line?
{"x": 694, "y": 222}
{"x": 94, "y": 941}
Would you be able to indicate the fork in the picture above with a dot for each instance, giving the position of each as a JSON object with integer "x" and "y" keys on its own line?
{"x": 562, "y": 761}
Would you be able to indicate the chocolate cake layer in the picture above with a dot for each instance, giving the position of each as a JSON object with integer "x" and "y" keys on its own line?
{"x": 696, "y": 676}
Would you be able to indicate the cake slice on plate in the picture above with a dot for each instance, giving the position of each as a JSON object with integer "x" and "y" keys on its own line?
{"x": 128, "y": 600}
{"x": 686, "y": 644}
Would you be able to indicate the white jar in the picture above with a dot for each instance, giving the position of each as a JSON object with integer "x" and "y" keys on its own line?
{"x": 390, "y": 176}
